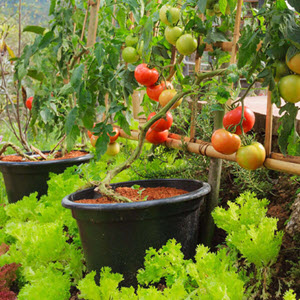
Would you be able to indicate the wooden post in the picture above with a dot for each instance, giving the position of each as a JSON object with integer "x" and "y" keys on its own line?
{"x": 269, "y": 125}
{"x": 195, "y": 99}
{"x": 93, "y": 23}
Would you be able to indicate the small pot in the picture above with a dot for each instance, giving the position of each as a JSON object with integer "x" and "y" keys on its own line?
{"x": 23, "y": 178}
{"x": 118, "y": 234}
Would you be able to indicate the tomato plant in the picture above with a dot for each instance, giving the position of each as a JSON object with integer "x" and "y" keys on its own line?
{"x": 154, "y": 91}
{"x": 225, "y": 142}
{"x": 186, "y": 44}
{"x": 163, "y": 123}
{"x": 166, "y": 96}
{"x": 251, "y": 156}
{"x": 289, "y": 88}
{"x": 145, "y": 75}
{"x": 233, "y": 118}
{"x": 156, "y": 137}
{"x": 29, "y": 103}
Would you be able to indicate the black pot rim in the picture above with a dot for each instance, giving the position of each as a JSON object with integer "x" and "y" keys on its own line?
{"x": 85, "y": 157}
{"x": 202, "y": 191}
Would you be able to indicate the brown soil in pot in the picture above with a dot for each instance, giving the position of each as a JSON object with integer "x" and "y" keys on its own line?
{"x": 18, "y": 158}
{"x": 137, "y": 195}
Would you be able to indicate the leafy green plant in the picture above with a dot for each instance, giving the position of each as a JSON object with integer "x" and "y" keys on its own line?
{"x": 211, "y": 276}
{"x": 253, "y": 234}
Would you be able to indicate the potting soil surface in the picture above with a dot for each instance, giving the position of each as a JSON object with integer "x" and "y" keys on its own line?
{"x": 18, "y": 158}
{"x": 138, "y": 194}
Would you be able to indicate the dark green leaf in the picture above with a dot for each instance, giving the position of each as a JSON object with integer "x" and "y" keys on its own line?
{"x": 101, "y": 144}
{"x": 36, "y": 75}
{"x": 46, "y": 40}
{"x": 201, "y": 4}
{"x": 160, "y": 51}
{"x": 34, "y": 29}
{"x": 76, "y": 77}
{"x": 123, "y": 122}
{"x": 287, "y": 126}
{"x": 292, "y": 51}
{"x": 66, "y": 89}
{"x": 71, "y": 119}
{"x": 52, "y": 7}
{"x": 293, "y": 35}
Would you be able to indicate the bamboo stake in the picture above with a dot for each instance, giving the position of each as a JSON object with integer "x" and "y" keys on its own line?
{"x": 236, "y": 34}
{"x": 92, "y": 31}
{"x": 206, "y": 149}
{"x": 269, "y": 125}
{"x": 195, "y": 99}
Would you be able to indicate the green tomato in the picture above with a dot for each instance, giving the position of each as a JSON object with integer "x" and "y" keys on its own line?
{"x": 281, "y": 70}
{"x": 169, "y": 15}
{"x": 186, "y": 44}
{"x": 217, "y": 8}
{"x": 172, "y": 34}
{"x": 252, "y": 156}
{"x": 289, "y": 88}
{"x": 113, "y": 149}
{"x": 130, "y": 55}
{"x": 210, "y": 12}
{"x": 131, "y": 40}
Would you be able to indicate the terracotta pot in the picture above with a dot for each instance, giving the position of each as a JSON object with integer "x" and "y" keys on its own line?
{"x": 23, "y": 178}
{"x": 117, "y": 235}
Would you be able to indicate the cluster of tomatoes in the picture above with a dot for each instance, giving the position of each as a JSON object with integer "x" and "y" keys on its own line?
{"x": 288, "y": 76}
{"x": 161, "y": 92}
{"x": 228, "y": 141}
{"x": 133, "y": 50}
{"x": 113, "y": 148}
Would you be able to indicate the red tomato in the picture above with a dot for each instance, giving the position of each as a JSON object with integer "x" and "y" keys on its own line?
{"x": 29, "y": 103}
{"x": 156, "y": 137}
{"x": 145, "y": 76}
{"x": 234, "y": 116}
{"x": 252, "y": 156}
{"x": 154, "y": 91}
{"x": 225, "y": 142}
{"x": 114, "y": 138}
{"x": 161, "y": 124}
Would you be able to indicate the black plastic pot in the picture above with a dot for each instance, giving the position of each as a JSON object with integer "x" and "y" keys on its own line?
{"x": 117, "y": 235}
{"x": 23, "y": 178}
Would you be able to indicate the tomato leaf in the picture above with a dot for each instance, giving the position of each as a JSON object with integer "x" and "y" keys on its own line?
{"x": 201, "y": 4}
{"x": 71, "y": 128}
{"x": 223, "y": 5}
{"x": 52, "y": 7}
{"x": 292, "y": 51}
{"x": 76, "y": 77}
{"x": 36, "y": 75}
{"x": 293, "y": 34}
{"x": 34, "y": 29}
{"x": 287, "y": 126}
{"x": 46, "y": 40}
